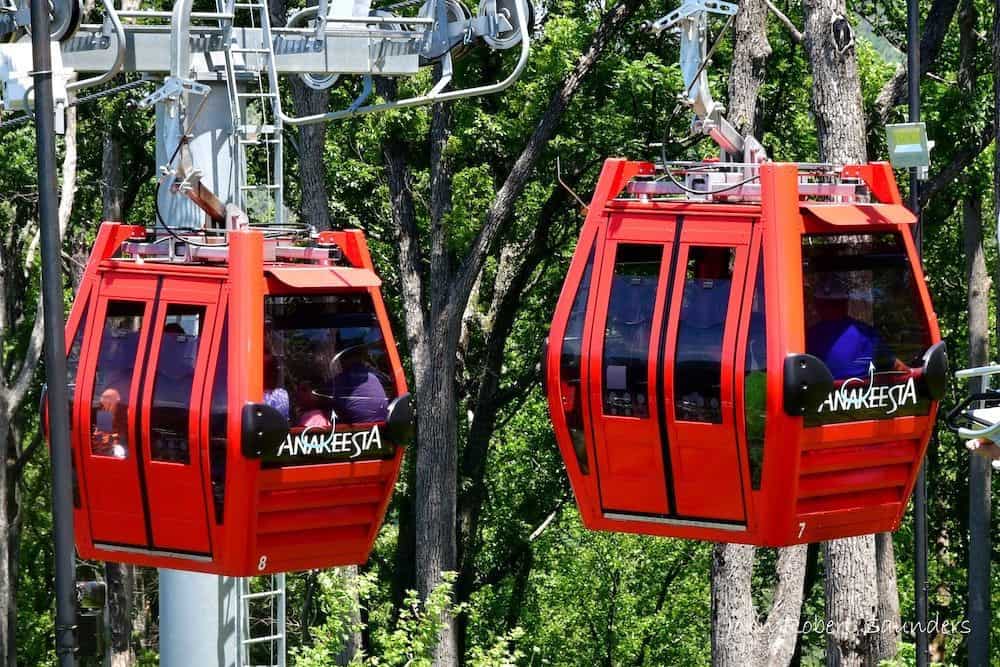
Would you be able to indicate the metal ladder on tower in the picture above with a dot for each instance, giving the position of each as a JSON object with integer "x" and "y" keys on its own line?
{"x": 255, "y": 102}
{"x": 250, "y": 619}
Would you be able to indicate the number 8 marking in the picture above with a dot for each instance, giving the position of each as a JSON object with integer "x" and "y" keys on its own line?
{"x": 262, "y": 563}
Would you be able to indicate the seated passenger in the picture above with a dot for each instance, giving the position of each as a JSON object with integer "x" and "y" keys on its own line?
{"x": 110, "y": 422}
{"x": 309, "y": 408}
{"x": 847, "y": 346}
{"x": 358, "y": 394}
{"x": 274, "y": 395}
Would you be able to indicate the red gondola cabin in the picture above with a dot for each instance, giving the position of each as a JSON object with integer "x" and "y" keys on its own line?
{"x": 237, "y": 408}
{"x": 748, "y": 355}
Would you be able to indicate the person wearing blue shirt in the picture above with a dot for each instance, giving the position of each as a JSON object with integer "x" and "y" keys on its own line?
{"x": 847, "y": 346}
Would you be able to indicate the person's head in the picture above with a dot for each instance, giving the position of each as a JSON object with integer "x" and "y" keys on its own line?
{"x": 832, "y": 297}
{"x": 110, "y": 398}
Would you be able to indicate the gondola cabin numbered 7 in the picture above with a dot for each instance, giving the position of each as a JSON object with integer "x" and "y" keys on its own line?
{"x": 237, "y": 407}
{"x": 744, "y": 353}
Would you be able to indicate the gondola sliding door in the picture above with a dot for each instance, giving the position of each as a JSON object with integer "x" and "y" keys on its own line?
{"x": 699, "y": 373}
{"x": 171, "y": 437}
{"x": 626, "y": 329}
{"x": 115, "y": 349}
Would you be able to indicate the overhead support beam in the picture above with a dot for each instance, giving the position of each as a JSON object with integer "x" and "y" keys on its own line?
{"x": 297, "y": 51}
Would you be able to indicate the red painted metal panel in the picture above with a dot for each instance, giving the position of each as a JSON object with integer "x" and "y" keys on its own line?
{"x": 313, "y": 277}
{"x": 879, "y": 178}
{"x": 782, "y": 244}
{"x": 860, "y": 215}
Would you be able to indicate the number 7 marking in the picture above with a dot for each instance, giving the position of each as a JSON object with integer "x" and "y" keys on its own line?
{"x": 802, "y": 529}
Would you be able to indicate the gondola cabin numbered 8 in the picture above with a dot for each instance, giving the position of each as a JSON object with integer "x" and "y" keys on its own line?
{"x": 236, "y": 408}
{"x": 746, "y": 355}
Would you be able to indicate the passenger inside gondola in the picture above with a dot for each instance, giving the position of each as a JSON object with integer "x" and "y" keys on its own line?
{"x": 113, "y": 379}
{"x": 275, "y": 393}
{"x": 845, "y": 344}
{"x": 327, "y": 358}
{"x": 358, "y": 393}
{"x": 861, "y": 304}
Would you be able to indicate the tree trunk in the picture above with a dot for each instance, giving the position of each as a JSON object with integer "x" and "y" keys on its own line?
{"x": 111, "y": 178}
{"x": 851, "y": 601}
{"x": 8, "y": 586}
{"x": 352, "y": 644}
{"x": 14, "y": 537}
{"x": 738, "y": 638}
{"x": 978, "y": 281}
{"x": 890, "y": 625}
{"x": 312, "y": 167}
{"x": 852, "y": 572}
{"x": 734, "y": 618}
{"x": 750, "y": 53}
{"x": 977, "y": 275}
{"x": 836, "y": 91}
{"x": 996, "y": 125}
{"x": 120, "y": 581}
{"x": 436, "y": 475}
{"x": 980, "y": 470}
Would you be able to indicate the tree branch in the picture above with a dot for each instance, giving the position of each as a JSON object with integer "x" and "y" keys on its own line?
{"x": 404, "y": 223}
{"x": 440, "y": 203}
{"x": 965, "y": 156}
{"x": 935, "y": 28}
{"x": 26, "y": 373}
{"x": 502, "y": 207}
{"x": 794, "y": 32}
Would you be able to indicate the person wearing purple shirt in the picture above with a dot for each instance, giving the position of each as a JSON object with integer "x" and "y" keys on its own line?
{"x": 847, "y": 346}
{"x": 358, "y": 394}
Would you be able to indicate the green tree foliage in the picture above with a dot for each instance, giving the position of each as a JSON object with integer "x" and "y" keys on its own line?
{"x": 544, "y": 590}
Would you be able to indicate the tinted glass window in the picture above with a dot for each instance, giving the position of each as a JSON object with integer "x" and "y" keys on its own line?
{"x": 628, "y": 328}
{"x": 218, "y": 425}
{"x": 698, "y": 360}
{"x": 864, "y": 319}
{"x": 113, "y": 379}
{"x": 325, "y": 360}
{"x": 569, "y": 367}
{"x": 175, "y": 368}
{"x": 73, "y": 358}
{"x": 755, "y": 379}
{"x": 72, "y": 364}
